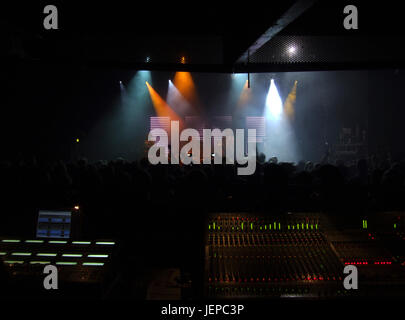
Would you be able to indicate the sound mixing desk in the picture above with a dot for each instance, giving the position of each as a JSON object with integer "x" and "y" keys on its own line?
{"x": 302, "y": 255}
{"x": 253, "y": 256}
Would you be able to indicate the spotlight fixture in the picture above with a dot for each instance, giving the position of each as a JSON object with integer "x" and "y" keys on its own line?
{"x": 147, "y": 59}
{"x": 292, "y": 50}
{"x": 182, "y": 59}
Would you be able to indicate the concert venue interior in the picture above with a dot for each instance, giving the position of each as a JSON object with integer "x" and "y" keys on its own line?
{"x": 79, "y": 192}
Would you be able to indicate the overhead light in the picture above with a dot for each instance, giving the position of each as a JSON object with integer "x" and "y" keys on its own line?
{"x": 292, "y": 50}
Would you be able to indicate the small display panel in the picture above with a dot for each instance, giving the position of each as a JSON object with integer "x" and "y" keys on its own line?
{"x": 54, "y": 224}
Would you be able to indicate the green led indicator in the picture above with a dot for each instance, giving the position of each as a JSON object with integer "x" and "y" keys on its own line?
{"x": 105, "y": 243}
{"x": 97, "y": 256}
{"x": 47, "y": 254}
{"x": 95, "y": 264}
{"x": 241, "y": 226}
{"x": 21, "y": 254}
{"x": 209, "y": 227}
{"x": 395, "y": 225}
{"x": 13, "y": 261}
{"x": 66, "y": 263}
{"x": 302, "y": 226}
{"x": 316, "y": 226}
{"x": 307, "y": 226}
{"x": 312, "y": 227}
{"x": 298, "y": 226}
{"x": 288, "y": 227}
{"x": 270, "y": 226}
{"x": 275, "y": 225}
{"x": 251, "y": 225}
{"x": 265, "y": 227}
{"x": 34, "y": 241}
{"x": 40, "y": 262}
{"x": 213, "y": 225}
{"x": 261, "y": 228}
{"x": 279, "y": 226}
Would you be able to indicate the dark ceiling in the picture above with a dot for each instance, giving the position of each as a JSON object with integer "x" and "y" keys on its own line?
{"x": 210, "y": 36}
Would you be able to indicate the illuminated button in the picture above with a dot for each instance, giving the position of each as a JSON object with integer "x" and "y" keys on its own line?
{"x": 105, "y": 243}
{"x": 40, "y": 262}
{"x": 47, "y": 254}
{"x": 66, "y": 263}
{"x": 81, "y": 242}
{"x": 13, "y": 261}
{"x": 34, "y": 241}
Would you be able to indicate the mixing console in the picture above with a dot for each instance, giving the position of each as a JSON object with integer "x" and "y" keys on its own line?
{"x": 299, "y": 255}
{"x": 77, "y": 261}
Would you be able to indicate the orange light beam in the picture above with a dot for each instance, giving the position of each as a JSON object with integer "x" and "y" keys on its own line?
{"x": 289, "y": 103}
{"x": 161, "y": 107}
{"x": 185, "y": 84}
{"x": 244, "y": 95}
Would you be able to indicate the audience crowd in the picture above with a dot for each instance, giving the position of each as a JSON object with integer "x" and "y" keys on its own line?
{"x": 136, "y": 193}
